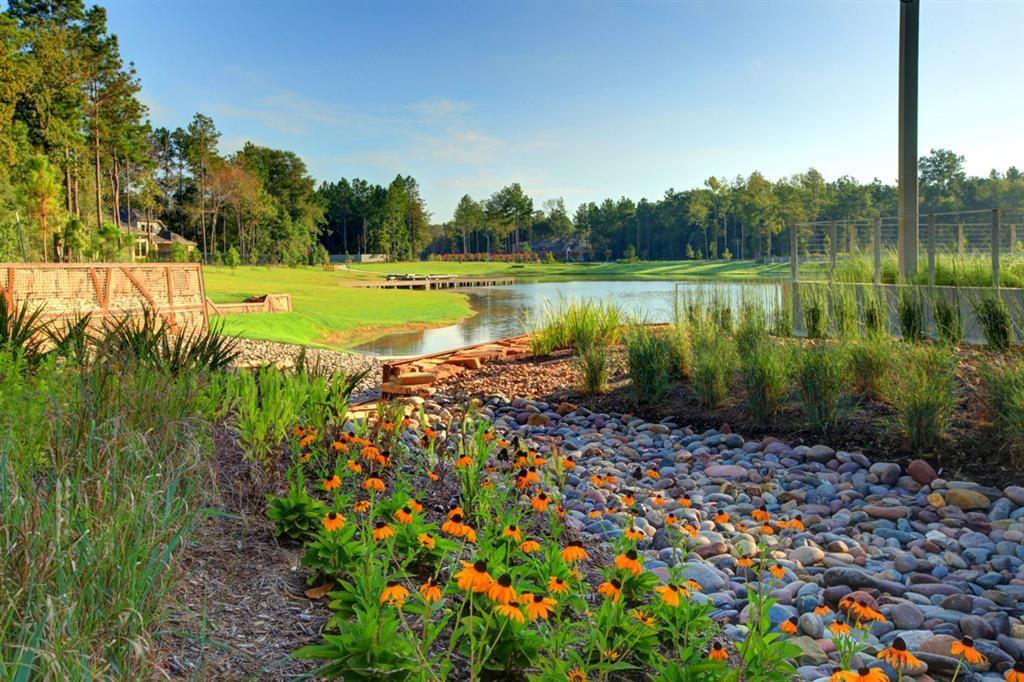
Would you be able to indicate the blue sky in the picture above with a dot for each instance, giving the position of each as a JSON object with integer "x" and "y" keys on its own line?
{"x": 580, "y": 100}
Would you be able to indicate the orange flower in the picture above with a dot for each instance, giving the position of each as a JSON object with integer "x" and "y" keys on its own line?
{"x": 530, "y": 546}
{"x": 473, "y": 577}
{"x": 426, "y": 540}
{"x": 745, "y": 562}
{"x": 394, "y": 594}
{"x": 692, "y": 585}
{"x": 689, "y": 530}
{"x": 430, "y": 433}
{"x": 510, "y": 611}
{"x": 627, "y": 500}
{"x": 965, "y": 649}
{"x": 596, "y": 481}
{"x": 557, "y": 585}
{"x": 671, "y": 520}
{"x": 540, "y": 502}
{"x": 501, "y": 591}
{"x": 767, "y": 529}
{"x": 720, "y": 518}
{"x": 788, "y": 626}
{"x": 669, "y": 594}
{"x": 574, "y": 552}
{"x": 512, "y": 531}
{"x": 634, "y": 533}
{"x": 685, "y": 502}
{"x": 306, "y": 441}
{"x": 862, "y": 675}
{"x": 718, "y": 652}
{"x": 361, "y": 507}
{"x": 416, "y": 506}
{"x": 455, "y": 511}
{"x": 1016, "y": 673}
{"x": 454, "y": 526}
{"x": 897, "y": 655}
{"x": 609, "y": 479}
{"x": 432, "y": 475}
{"x": 374, "y": 483}
{"x": 653, "y": 474}
{"x": 611, "y": 589}
{"x": 332, "y": 483}
{"x": 568, "y": 463}
{"x": 538, "y": 606}
{"x": 643, "y": 617}
{"x": 658, "y": 500}
{"x": 778, "y": 571}
{"x": 838, "y": 628}
{"x": 796, "y": 523}
{"x": 382, "y": 531}
{"x": 463, "y": 462}
{"x": 355, "y": 466}
{"x": 305, "y": 457}
{"x": 334, "y": 521}
{"x": 576, "y": 675}
{"x": 822, "y": 610}
{"x": 760, "y": 515}
{"x": 629, "y": 562}
{"x": 404, "y": 515}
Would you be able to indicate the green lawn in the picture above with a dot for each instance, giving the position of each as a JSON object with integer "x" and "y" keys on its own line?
{"x": 327, "y": 313}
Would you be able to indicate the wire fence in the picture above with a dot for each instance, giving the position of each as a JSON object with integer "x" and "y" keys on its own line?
{"x": 977, "y": 248}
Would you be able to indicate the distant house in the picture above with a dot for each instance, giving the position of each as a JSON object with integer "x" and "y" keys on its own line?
{"x": 152, "y": 240}
{"x": 563, "y": 248}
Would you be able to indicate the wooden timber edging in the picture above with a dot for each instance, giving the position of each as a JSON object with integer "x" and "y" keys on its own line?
{"x": 414, "y": 376}
{"x": 430, "y": 282}
{"x": 174, "y": 291}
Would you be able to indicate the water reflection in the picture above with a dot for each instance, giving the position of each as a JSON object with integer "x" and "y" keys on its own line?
{"x": 503, "y": 311}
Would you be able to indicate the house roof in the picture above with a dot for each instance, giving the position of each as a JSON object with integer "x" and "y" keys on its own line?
{"x": 136, "y": 218}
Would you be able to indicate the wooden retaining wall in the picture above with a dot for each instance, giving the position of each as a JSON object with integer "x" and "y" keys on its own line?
{"x": 105, "y": 291}
{"x": 413, "y": 376}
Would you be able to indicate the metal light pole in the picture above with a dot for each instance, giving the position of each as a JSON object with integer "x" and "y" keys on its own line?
{"x": 909, "y": 16}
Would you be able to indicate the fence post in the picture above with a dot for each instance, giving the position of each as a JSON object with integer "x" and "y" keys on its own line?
{"x": 794, "y": 254}
{"x": 1013, "y": 238}
{"x": 833, "y": 246}
{"x": 995, "y": 247}
{"x": 931, "y": 249}
{"x": 877, "y": 239}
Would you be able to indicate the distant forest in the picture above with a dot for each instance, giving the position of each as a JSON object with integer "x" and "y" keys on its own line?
{"x": 79, "y": 159}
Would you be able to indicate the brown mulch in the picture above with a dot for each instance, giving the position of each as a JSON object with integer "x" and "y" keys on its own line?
{"x": 969, "y": 452}
{"x": 238, "y": 609}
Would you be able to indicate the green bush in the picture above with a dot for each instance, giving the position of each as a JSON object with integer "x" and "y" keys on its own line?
{"x": 1004, "y": 401}
{"x": 648, "y": 355}
{"x": 714, "y": 363}
{"x": 994, "y": 319}
{"x": 765, "y": 378}
{"x": 922, "y": 393}
{"x": 819, "y": 379}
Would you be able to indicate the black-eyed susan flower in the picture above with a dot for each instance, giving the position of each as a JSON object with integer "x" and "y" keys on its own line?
{"x": 760, "y": 515}
{"x": 355, "y": 466}
{"x": 332, "y": 483}
{"x": 861, "y": 675}
{"x": 511, "y": 611}
{"x": 745, "y": 562}
{"x": 796, "y": 523}
{"x": 568, "y": 464}
{"x": 653, "y": 474}
{"x": 305, "y": 457}
{"x": 692, "y": 585}
{"x": 361, "y": 507}
{"x": 456, "y": 511}
{"x": 416, "y": 506}
{"x": 778, "y": 572}
{"x": 897, "y": 655}
{"x": 718, "y": 652}
{"x": 669, "y": 594}
{"x": 559, "y": 511}
{"x": 468, "y": 533}
{"x": 721, "y": 518}
{"x": 611, "y": 589}
{"x": 426, "y": 540}
{"x": 540, "y": 502}
{"x": 1016, "y": 673}
{"x": 374, "y": 483}
{"x": 512, "y": 531}
{"x": 538, "y": 606}
{"x": 576, "y": 675}
{"x": 557, "y": 586}
{"x": 685, "y": 502}
{"x": 334, "y": 521}
{"x": 501, "y": 590}
{"x": 463, "y": 462}
{"x": 839, "y": 628}
{"x": 453, "y": 526}
{"x": 965, "y": 649}
{"x": 382, "y": 531}
{"x": 822, "y": 610}
{"x": 629, "y": 561}
{"x": 530, "y": 546}
{"x": 473, "y": 577}
{"x": 404, "y": 515}
{"x": 671, "y": 520}
{"x": 596, "y": 481}
{"x": 627, "y": 500}
{"x": 788, "y": 626}
{"x": 643, "y": 617}
{"x": 634, "y": 533}
{"x": 574, "y": 552}
{"x": 394, "y": 594}
{"x": 432, "y": 475}
{"x": 430, "y": 591}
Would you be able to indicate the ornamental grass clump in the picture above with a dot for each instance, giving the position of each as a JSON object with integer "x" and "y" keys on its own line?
{"x": 922, "y": 391}
{"x": 874, "y": 312}
{"x": 752, "y": 329}
{"x": 843, "y": 316}
{"x": 593, "y": 366}
{"x": 949, "y": 325}
{"x": 815, "y": 308}
{"x": 1004, "y": 401}
{"x": 764, "y": 374}
{"x": 994, "y": 320}
{"x": 819, "y": 380}
{"x": 714, "y": 364}
{"x": 681, "y": 361}
{"x": 910, "y": 311}
{"x": 648, "y": 357}
{"x": 868, "y": 362}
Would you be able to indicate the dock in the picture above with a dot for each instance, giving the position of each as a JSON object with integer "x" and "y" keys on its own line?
{"x": 428, "y": 282}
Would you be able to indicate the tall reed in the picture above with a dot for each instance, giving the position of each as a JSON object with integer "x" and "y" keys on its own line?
{"x": 868, "y": 362}
{"x": 593, "y": 367}
{"x": 994, "y": 319}
{"x": 819, "y": 380}
{"x": 910, "y": 313}
{"x": 922, "y": 391}
{"x": 1004, "y": 402}
{"x": 648, "y": 357}
{"x": 714, "y": 364}
{"x": 814, "y": 301}
{"x": 764, "y": 374}
{"x": 949, "y": 326}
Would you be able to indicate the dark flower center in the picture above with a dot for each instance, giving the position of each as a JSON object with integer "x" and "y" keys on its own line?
{"x": 407, "y": 510}
{"x": 457, "y": 518}
{"x": 631, "y": 555}
{"x": 505, "y": 580}
{"x": 538, "y": 598}
{"x": 480, "y": 566}
{"x": 332, "y": 516}
{"x": 512, "y": 528}
{"x": 616, "y": 584}
{"x": 968, "y": 642}
{"x": 899, "y": 645}
{"x": 380, "y": 524}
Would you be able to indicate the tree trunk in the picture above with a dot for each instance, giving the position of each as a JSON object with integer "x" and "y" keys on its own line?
{"x": 96, "y": 161}
{"x": 67, "y": 179}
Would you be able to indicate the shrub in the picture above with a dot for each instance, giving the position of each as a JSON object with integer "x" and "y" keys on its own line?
{"x": 765, "y": 378}
{"x": 819, "y": 380}
{"x": 910, "y": 313}
{"x": 714, "y": 363}
{"x": 867, "y": 362}
{"x": 922, "y": 393}
{"x": 949, "y": 326}
{"x": 593, "y": 365}
{"x": 296, "y": 516}
{"x": 648, "y": 354}
{"x": 1004, "y": 401}
{"x": 994, "y": 319}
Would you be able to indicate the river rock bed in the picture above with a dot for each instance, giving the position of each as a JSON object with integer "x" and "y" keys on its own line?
{"x": 254, "y": 353}
{"x": 940, "y": 559}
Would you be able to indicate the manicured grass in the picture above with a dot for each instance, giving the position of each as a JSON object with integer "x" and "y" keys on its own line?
{"x": 657, "y": 270}
{"x": 326, "y": 313}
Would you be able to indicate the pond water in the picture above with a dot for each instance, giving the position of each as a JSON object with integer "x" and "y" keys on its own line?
{"x": 503, "y": 311}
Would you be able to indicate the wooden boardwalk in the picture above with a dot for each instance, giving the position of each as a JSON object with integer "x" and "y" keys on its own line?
{"x": 430, "y": 282}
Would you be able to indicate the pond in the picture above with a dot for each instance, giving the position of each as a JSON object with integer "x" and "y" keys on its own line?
{"x": 503, "y": 311}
